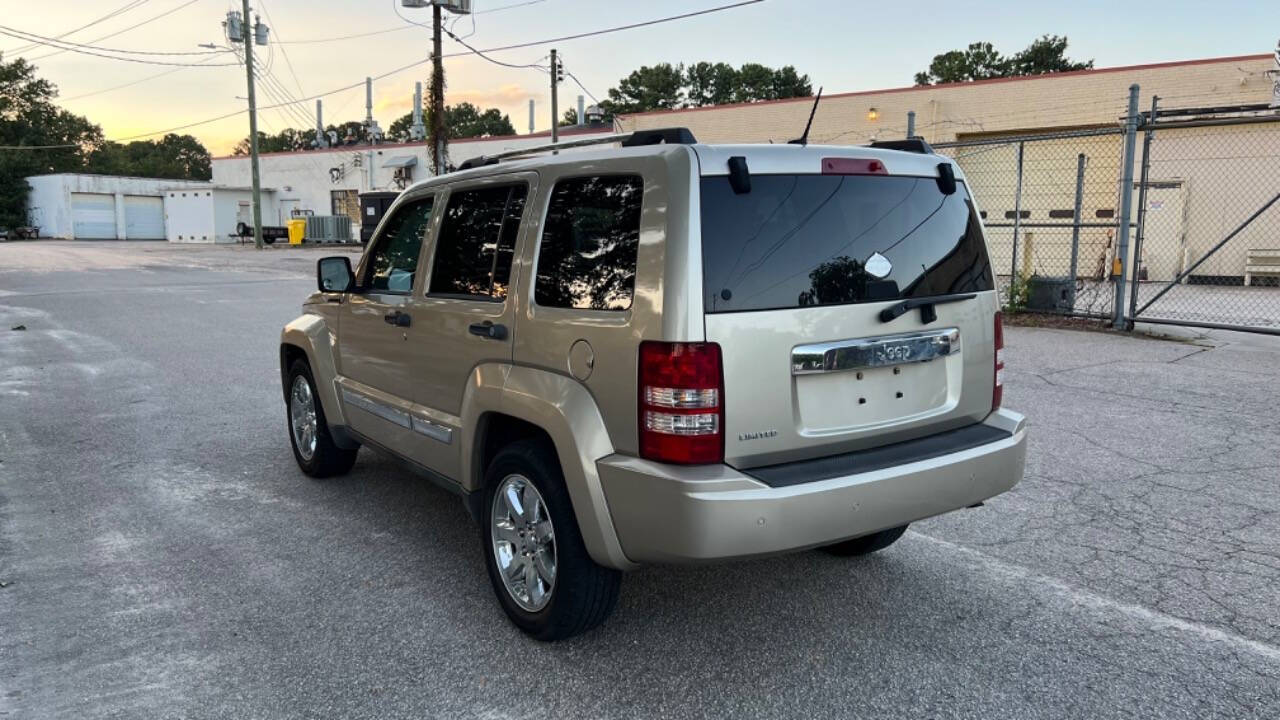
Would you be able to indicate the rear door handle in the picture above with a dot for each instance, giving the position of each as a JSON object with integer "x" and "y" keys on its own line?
{"x": 397, "y": 318}
{"x": 488, "y": 329}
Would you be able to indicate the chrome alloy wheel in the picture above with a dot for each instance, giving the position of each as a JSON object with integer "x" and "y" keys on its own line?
{"x": 302, "y": 417}
{"x": 524, "y": 542}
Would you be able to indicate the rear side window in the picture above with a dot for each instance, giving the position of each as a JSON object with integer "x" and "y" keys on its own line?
{"x": 805, "y": 240}
{"x": 394, "y": 259}
{"x": 476, "y": 242}
{"x": 589, "y": 242}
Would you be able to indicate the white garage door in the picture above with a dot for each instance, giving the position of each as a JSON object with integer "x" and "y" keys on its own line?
{"x": 143, "y": 217}
{"x": 93, "y": 216}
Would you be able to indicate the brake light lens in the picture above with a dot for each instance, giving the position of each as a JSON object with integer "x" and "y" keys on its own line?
{"x": 853, "y": 166}
{"x": 997, "y": 393}
{"x": 681, "y": 402}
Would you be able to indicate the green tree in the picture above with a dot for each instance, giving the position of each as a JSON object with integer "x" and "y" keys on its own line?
{"x": 351, "y": 132}
{"x": 1047, "y": 54}
{"x": 283, "y": 141}
{"x": 400, "y": 127}
{"x": 570, "y": 117}
{"x": 28, "y": 117}
{"x": 666, "y": 86}
{"x": 755, "y": 82}
{"x": 710, "y": 84}
{"x": 179, "y": 157}
{"x": 981, "y": 61}
{"x": 787, "y": 83}
{"x": 463, "y": 120}
{"x": 660, "y": 87}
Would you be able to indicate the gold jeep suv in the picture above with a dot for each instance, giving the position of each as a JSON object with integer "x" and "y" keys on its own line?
{"x": 659, "y": 351}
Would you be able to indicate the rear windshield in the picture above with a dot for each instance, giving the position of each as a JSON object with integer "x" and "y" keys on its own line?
{"x": 808, "y": 240}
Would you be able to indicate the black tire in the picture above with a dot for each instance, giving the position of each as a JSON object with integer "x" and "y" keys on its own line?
{"x": 866, "y": 544}
{"x": 583, "y": 594}
{"x": 327, "y": 460}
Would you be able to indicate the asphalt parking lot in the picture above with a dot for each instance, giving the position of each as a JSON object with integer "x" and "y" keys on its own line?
{"x": 162, "y": 556}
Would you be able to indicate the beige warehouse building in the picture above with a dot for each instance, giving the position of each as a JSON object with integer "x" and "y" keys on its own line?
{"x": 1202, "y": 180}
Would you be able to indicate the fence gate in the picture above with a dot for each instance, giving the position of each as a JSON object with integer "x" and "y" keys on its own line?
{"x": 1208, "y": 219}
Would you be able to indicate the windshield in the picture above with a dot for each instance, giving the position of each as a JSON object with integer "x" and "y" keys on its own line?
{"x": 808, "y": 240}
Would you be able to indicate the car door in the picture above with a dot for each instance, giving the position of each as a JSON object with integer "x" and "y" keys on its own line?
{"x": 464, "y": 319}
{"x": 375, "y": 329}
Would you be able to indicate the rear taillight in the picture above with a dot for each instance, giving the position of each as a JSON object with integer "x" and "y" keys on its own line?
{"x": 997, "y": 393}
{"x": 681, "y": 402}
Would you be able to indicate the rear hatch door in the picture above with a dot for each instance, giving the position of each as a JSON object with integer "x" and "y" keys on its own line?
{"x": 854, "y": 306}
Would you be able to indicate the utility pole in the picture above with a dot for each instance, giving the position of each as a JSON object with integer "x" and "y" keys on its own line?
{"x": 555, "y": 104}
{"x": 249, "y": 38}
{"x": 437, "y": 93}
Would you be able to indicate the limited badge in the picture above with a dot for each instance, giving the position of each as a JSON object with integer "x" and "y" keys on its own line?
{"x": 878, "y": 266}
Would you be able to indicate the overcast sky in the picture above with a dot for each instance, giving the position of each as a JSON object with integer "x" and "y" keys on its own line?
{"x": 843, "y": 46}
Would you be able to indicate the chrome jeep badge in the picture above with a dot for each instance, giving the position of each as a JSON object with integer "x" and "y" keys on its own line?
{"x": 878, "y": 266}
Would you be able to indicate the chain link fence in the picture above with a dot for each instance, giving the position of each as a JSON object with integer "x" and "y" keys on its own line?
{"x": 1049, "y": 203}
{"x": 1205, "y": 224}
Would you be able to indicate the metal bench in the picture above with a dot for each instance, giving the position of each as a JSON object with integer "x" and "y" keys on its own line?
{"x": 1261, "y": 262}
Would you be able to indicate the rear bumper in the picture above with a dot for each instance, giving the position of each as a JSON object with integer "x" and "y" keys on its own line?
{"x": 666, "y": 513}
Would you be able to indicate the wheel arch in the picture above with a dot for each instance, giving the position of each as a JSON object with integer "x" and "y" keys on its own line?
{"x": 309, "y": 337}
{"x": 558, "y": 410}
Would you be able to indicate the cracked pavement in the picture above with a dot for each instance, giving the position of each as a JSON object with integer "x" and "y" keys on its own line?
{"x": 161, "y": 555}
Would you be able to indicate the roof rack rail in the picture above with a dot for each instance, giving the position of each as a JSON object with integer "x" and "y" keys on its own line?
{"x": 639, "y": 138}
{"x": 658, "y": 136}
{"x": 911, "y": 144}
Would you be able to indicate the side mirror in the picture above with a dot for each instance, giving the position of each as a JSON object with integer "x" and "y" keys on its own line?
{"x": 333, "y": 274}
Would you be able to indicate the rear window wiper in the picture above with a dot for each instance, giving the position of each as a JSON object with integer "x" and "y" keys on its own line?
{"x": 927, "y": 312}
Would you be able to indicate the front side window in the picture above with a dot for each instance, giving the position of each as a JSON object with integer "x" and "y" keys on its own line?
{"x": 588, "y": 255}
{"x": 477, "y": 239}
{"x": 394, "y": 259}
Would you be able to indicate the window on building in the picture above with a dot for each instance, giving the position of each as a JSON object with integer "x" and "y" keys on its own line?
{"x": 1105, "y": 213}
{"x": 394, "y": 258}
{"x": 587, "y": 259}
{"x": 477, "y": 239}
{"x": 1062, "y": 214}
{"x": 345, "y": 202}
{"x": 1024, "y": 214}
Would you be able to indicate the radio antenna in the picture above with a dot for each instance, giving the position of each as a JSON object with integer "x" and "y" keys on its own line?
{"x": 804, "y": 139}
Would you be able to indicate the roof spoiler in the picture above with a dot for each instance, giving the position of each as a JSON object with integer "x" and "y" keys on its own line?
{"x": 912, "y": 145}
{"x": 639, "y": 138}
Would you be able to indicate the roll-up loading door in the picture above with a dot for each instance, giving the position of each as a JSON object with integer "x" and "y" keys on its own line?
{"x": 93, "y": 216}
{"x": 143, "y": 217}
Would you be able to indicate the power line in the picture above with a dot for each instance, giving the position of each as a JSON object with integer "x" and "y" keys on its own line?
{"x": 124, "y": 30}
{"x": 578, "y": 82}
{"x": 99, "y": 48}
{"x": 480, "y": 53}
{"x": 415, "y": 63}
{"x": 398, "y": 28}
{"x": 507, "y": 7}
{"x": 139, "y": 81}
{"x": 619, "y": 28}
{"x": 288, "y": 63}
{"x": 4, "y": 30}
{"x": 122, "y": 9}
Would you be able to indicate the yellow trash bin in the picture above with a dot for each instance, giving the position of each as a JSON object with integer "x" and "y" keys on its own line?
{"x": 297, "y": 230}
